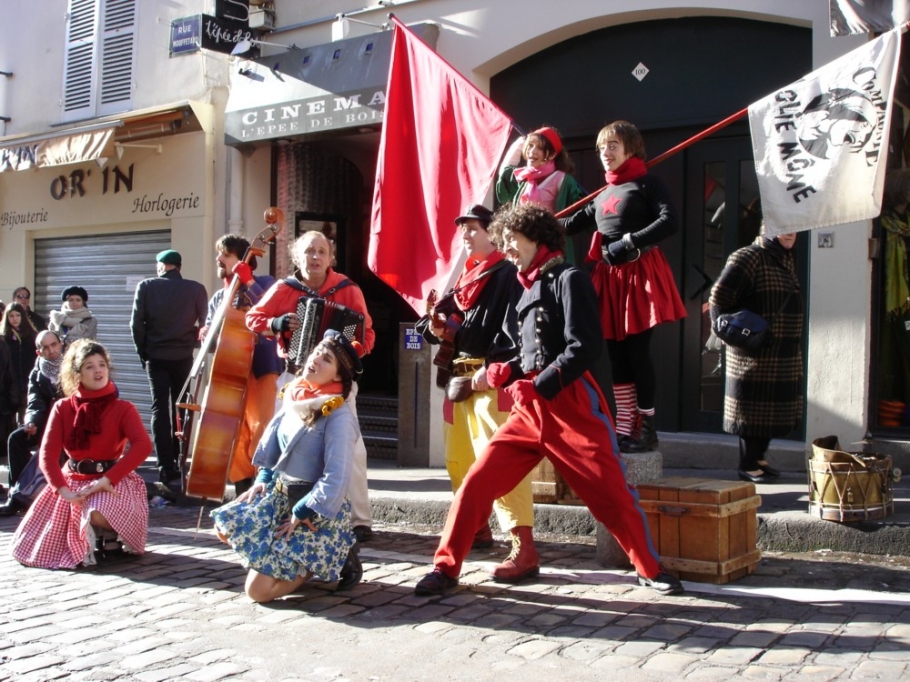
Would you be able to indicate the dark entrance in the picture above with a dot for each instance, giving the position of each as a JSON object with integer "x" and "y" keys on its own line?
{"x": 699, "y": 71}
{"x": 723, "y": 213}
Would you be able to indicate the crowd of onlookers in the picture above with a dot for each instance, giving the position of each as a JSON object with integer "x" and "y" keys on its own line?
{"x": 23, "y": 346}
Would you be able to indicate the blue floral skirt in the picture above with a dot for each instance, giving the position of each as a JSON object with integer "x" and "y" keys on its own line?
{"x": 250, "y": 529}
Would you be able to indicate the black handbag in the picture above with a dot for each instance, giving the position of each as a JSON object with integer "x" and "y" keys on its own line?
{"x": 744, "y": 329}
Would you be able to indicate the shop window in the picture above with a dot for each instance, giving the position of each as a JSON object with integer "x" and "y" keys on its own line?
{"x": 100, "y": 56}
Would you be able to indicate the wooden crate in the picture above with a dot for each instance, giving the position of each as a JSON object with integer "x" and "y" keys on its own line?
{"x": 549, "y": 487}
{"x": 704, "y": 530}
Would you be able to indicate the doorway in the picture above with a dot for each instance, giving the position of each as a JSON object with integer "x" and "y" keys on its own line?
{"x": 723, "y": 213}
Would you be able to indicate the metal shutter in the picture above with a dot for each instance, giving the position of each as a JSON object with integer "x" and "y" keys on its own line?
{"x": 108, "y": 266}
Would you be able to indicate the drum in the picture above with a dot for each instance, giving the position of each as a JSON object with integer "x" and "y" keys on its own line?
{"x": 847, "y": 486}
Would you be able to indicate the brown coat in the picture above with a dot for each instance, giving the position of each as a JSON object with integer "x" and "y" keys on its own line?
{"x": 764, "y": 394}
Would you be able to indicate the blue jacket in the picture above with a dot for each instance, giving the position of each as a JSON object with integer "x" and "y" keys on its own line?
{"x": 321, "y": 454}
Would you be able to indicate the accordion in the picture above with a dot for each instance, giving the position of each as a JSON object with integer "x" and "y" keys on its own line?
{"x": 316, "y": 316}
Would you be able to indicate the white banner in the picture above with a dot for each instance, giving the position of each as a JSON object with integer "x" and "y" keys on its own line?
{"x": 821, "y": 143}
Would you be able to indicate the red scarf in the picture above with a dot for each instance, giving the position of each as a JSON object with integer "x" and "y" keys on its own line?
{"x": 301, "y": 389}
{"x": 632, "y": 168}
{"x": 467, "y": 288}
{"x": 90, "y": 406}
{"x": 543, "y": 256}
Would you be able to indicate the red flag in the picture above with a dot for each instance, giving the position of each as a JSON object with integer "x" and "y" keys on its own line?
{"x": 441, "y": 143}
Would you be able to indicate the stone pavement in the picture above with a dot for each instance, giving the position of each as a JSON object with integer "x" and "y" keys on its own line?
{"x": 178, "y": 612}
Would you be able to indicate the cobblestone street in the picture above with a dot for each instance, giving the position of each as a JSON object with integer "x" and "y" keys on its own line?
{"x": 179, "y": 612}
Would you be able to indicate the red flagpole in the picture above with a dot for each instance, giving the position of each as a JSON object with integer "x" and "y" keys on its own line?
{"x": 657, "y": 159}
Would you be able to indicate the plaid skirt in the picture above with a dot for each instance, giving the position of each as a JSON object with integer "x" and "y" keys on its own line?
{"x": 56, "y": 533}
{"x": 636, "y": 296}
{"x": 249, "y": 528}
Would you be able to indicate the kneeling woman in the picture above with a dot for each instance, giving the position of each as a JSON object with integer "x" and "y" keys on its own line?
{"x": 295, "y": 522}
{"x": 96, "y": 498}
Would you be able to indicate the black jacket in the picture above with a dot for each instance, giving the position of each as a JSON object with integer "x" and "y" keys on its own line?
{"x": 167, "y": 313}
{"x": 559, "y": 333}
{"x": 42, "y": 393}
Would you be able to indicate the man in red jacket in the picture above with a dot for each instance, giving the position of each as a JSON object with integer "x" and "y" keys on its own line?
{"x": 276, "y": 315}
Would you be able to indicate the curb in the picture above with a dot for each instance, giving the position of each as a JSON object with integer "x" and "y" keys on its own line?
{"x": 780, "y": 531}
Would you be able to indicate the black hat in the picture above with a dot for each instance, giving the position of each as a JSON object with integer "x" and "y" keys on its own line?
{"x": 74, "y": 291}
{"x": 348, "y": 352}
{"x": 476, "y": 212}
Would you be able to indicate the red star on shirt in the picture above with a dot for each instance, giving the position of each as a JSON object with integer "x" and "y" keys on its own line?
{"x": 610, "y": 205}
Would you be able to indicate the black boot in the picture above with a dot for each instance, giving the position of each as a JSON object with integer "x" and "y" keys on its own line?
{"x": 11, "y": 507}
{"x": 646, "y": 440}
{"x": 351, "y": 572}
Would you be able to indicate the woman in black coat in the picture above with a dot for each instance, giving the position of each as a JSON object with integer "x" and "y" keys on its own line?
{"x": 764, "y": 390}
{"x": 19, "y": 335}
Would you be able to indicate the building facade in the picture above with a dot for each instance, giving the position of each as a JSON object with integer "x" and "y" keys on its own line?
{"x": 294, "y": 121}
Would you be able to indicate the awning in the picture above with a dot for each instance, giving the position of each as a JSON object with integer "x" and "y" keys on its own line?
{"x": 42, "y": 151}
{"x": 91, "y": 142}
{"x": 313, "y": 90}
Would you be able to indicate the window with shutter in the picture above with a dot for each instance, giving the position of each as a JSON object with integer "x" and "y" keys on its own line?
{"x": 100, "y": 53}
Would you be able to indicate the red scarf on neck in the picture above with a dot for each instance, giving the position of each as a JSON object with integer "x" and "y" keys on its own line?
{"x": 632, "y": 168}
{"x": 467, "y": 288}
{"x": 89, "y": 406}
{"x": 301, "y": 389}
{"x": 529, "y": 276}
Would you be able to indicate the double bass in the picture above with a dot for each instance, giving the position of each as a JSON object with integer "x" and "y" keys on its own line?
{"x": 210, "y": 428}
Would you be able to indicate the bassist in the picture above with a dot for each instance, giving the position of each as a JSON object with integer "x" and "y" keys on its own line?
{"x": 262, "y": 387}
{"x": 466, "y": 323}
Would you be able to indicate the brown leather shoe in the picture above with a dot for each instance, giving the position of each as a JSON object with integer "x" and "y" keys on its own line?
{"x": 522, "y": 562}
{"x": 483, "y": 539}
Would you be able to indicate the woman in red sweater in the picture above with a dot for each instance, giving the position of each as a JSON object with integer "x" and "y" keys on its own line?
{"x": 95, "y": 501}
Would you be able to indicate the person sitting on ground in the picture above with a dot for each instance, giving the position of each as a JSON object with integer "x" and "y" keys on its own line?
{"x": 305, "y": 459}
{"x": 43, "y": 391}
{"x": 95, "y": 502}
{"x": 74, "y": 321}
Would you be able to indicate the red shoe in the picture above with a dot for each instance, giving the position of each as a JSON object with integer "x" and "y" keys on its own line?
{"x": 522, "y": 562}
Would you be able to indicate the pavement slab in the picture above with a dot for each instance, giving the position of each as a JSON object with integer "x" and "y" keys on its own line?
{"x": 179, "y": 612}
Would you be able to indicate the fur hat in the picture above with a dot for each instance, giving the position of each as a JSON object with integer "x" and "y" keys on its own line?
{"x": 74, "y": 291}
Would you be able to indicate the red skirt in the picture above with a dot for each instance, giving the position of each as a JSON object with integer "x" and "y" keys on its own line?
{"x": 53, "y": 532}
{"x": 636, "y": 296}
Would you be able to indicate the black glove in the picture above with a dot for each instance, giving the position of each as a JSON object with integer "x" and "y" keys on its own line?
{"x": 615, "y": 253}
{"x": 281, "y": 324}
{"x": 143, "y": 360}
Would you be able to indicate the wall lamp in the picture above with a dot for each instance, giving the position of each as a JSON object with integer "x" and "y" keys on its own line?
{"x": 341, "y": 26}
{"x": 247, "y": 45}
{"x": 118, "y": 147}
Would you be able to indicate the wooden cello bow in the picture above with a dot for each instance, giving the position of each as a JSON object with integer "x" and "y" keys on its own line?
{"x": 207, "y": 447}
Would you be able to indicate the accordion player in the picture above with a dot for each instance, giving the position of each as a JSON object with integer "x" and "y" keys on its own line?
{"x": 316, "y": 316}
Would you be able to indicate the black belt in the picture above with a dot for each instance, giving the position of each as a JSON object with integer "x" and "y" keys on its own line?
{"x": 295, "y": 491}
{"x": 641, "y": 252}
{"x": 90, "y": 466}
